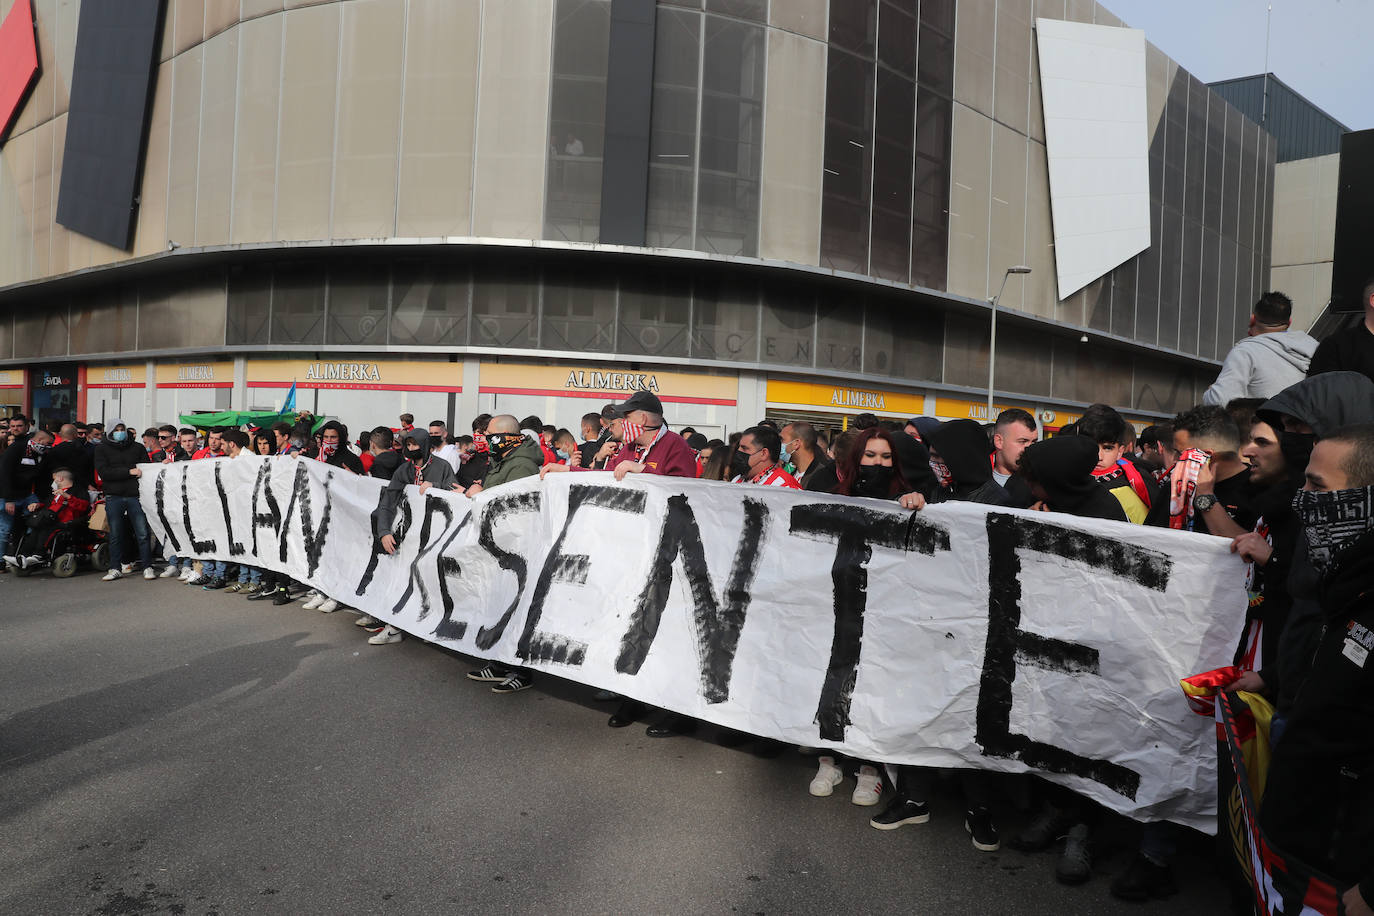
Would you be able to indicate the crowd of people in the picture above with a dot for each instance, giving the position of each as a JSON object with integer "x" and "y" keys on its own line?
{"x": 1288, "y": 477}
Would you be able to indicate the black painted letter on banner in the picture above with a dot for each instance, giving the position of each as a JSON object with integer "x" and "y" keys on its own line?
{"x": 400, "y": 528}
{"x": 433, "y": 505}
{"x": 235, "y": 547}
{"x": 1008, "y": 645}
{"x": 197, "y": 546}
{"x": 312, "y": 537}
{"x": 262, "y": 487}
{"x": 717, "y": 625}
{"x": 449, "y": 628}
{"x": 160, "y": 495}
{"x": 497, "y": 509}
{"x": 855, "y": 531}
{"x": 536, "y": 644}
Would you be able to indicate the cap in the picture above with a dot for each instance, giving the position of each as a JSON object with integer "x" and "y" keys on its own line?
{"x": 640, "y": 400}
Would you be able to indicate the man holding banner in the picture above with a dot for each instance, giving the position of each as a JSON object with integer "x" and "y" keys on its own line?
{"x": 1319, "y": 801}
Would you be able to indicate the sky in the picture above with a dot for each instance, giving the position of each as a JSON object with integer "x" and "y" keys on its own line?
{"x": 1321, "y": 48}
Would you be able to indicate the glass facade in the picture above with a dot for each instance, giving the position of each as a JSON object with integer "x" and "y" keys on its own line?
{"x": 887, "y": 139}
{"x": 706, "y": 133}
{"x": 577, "y": 120}
{"x": 498, "y": 300}
{"x": 1210, "y": 171}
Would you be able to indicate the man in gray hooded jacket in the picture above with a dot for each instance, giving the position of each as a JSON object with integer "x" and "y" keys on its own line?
{"x": 1267, "y": 361}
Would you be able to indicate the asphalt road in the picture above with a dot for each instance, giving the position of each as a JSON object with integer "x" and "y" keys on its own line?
{"x": 169, "y": 750}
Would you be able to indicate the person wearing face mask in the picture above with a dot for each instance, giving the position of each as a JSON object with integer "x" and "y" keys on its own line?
{"x": 25, "y": 477}
{"x": 515, "y": 456}
{"x": 962, "y": 446}
{"x": 643, "y": 443}
{"x": 757, "y": 460}
{"x": 1318, "y": 804}
{"x": 1303, "y": 414}
{"x": 117, "y": 461}
{"x": 334, "y": 450}
{"x": 42, "y": 520}
{"x": 418, "y": 468}
{"x": 804, "y": 453}
{"x": 440, "y": 447}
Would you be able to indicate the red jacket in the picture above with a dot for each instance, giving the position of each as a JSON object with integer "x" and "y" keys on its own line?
{"x": 69, "y": 508}
{"x": 670, "y": 455}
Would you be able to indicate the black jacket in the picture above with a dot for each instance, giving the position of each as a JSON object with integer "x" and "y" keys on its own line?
{"x": 437, "y": 472}
{"x": 343, "y": 457}
{"x": 23, "y": 472}
{"x": 963, "y": 447}
{"x": 1319, "y": 799}
{"x": 1063, "y": 466}
{"x": 76, "y": 457}
{"x": 385, "y": 464}
{"x": 1350, "y": 350}
{"x": 474, "y": 470}
{"x": 114, "y": 460}
{"x": 1324, "y": 402}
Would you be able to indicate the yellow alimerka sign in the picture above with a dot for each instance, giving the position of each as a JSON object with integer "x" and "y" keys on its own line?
{"x": 844, "y": 399}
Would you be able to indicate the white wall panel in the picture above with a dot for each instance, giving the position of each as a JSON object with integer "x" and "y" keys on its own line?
{"x": 1097, "y": 135}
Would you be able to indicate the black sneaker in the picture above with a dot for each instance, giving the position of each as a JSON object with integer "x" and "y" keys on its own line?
{"x": 1042, "y": 833}
{"x": 900, "y": 812}
{"x": 515, "y": 683}
{"x": 978, "y": 823}
{"x": 1144, "y": 880}
{"x": 1076, "y": 861}
{"x": 281, "y": 596}
{"x": 214, "y": 585}
{"x": 263, "y": 594}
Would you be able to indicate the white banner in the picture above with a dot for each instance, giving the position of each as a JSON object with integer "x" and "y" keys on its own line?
{"x": 956, "y": 636}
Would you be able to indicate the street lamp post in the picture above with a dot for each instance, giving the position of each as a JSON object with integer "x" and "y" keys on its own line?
{"x": 992, "y": 336}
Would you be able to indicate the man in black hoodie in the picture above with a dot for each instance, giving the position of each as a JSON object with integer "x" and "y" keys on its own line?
{"x": 334, "y": 450}
{"x": 1319, "y": 799}
{"x": 385, "y": 458}
{"x": 1303, "y": 414}
{"x": 1059, "y": 472}
{"x": 116, "y": 461}
{"x": 419, "y": 468}
{"x": 963, "y": 447}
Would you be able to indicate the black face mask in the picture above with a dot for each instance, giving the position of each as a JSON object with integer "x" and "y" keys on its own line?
{"x": 873, "y": 480}
{"x": 436, "y": 441}
{"x": 503, "y": 444}
{"x": 413, "y": 455}
{"x": 739, "y": 464}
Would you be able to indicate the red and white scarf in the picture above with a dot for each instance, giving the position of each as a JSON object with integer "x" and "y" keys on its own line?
{"x": 1182, "y": 483}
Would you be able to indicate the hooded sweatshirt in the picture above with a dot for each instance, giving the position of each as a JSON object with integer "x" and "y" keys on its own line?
{"x": 1064, "y": 468}
{"x": 1262, "y": 366}
{"x": 114, "y": 460}
{"x": 963, "y": 446}
{"x": 1324, "y": 402}
{"x": 435, "y": 471}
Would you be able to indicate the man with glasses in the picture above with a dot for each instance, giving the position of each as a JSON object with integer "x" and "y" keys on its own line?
{"x": 166, "y": 444}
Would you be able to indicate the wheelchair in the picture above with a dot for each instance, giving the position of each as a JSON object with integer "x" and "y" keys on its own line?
{"x": 67, "y": 548}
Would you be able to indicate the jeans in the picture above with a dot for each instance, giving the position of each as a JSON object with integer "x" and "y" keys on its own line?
{"x": 7, "y": 520}
{"x": 215, "y": 569}
{"x": 249, "y": 574}
{"x": 117, "y": 508}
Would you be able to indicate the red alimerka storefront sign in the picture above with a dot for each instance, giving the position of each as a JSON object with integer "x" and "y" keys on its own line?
{"x": 18, "y": 61}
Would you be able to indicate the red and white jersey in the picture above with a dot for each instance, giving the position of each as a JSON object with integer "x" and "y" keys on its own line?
{"x": 773, "y": 477}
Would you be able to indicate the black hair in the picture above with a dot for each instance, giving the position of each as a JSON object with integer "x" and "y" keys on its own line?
{"x": 1209, "y": 421}
{"x": 383, "y": 437}
{"x": 766, "y": 439}
{"x": 532, "y": 422}
{"x": 479, "y": 422}
{"x": 864, "y": 421}
{"x": 1103, "y": 425}
{"x": 1014, "y": 415}
{"x": 1274, "y": 309}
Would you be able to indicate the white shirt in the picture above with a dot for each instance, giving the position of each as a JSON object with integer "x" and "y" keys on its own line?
{"x": 450, "y": 453}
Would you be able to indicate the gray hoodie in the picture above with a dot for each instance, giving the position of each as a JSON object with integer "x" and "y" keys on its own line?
{"x": 1262, "y": 366}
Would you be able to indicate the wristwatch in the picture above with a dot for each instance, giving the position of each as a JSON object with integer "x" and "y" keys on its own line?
{"x": 1204, "y": 501}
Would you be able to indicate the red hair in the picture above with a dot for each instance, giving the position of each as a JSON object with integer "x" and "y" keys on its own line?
{"x": 847, "y": 465}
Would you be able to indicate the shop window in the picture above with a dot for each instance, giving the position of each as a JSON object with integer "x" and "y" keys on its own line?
{"x": 358, "y": 305}
{"x": 298, "y": 293}
{"x": 429, "y": 304}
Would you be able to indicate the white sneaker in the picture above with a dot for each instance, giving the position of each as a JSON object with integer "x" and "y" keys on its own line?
{"x": 126, "y": 568}
{"x": 12, "y": 560}
{"x": 828, "y": 776}
{"x": 386, "y": 637}
{"x": 188, "y": 574}
{"x": 111, "y": 576}
{"x": 364, "y": 621}
{"x": 328, "y": 606}
{"x": 314, "y": 600}
{"x": 32, "y": 561}
{"x": 149, "y": 574}
{"x": 869, "y": 789}
{"x": 170, "y": 572}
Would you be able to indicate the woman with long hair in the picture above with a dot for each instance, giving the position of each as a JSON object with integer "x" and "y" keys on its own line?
{"x": 886, "y": 465}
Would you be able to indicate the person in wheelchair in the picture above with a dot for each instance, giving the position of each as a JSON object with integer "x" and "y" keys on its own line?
{"x": 42, "y": 521}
